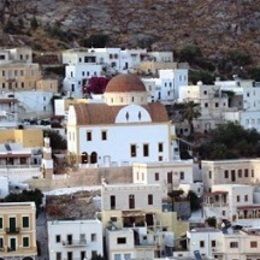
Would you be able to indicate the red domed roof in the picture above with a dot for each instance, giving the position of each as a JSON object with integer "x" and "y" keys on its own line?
{"x": 125, "y": 83}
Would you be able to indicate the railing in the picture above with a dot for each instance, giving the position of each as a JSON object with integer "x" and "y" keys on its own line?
{"x": 9, "y": 249}
{"x": 75, "y": 243}
{"x": 18, "y": 166}
{"x": 12, "y": 230}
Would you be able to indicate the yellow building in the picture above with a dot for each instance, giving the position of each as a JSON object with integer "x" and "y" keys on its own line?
{"x": 18, "y": 230}
{"x": 50, "y": 85}
{"x": 18, "y": 72}
{"x": 28, "y": 138}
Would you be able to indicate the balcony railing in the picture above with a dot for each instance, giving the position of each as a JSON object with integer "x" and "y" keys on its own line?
{"x": 9, "y": 249}
{"x": 12, "y": 230}
{"x": 75, "y": 243}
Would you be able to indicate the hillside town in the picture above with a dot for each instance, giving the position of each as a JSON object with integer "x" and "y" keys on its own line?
{"x": 115, "y": 153}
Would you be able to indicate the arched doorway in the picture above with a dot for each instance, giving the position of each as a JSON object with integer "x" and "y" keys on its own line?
{"x": 93, "y": 157}
{"x": 84, "y": 158}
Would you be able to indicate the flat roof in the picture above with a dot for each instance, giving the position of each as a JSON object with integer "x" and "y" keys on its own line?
{"x": 16, "y": 204}
{"x": 82, "y": 205}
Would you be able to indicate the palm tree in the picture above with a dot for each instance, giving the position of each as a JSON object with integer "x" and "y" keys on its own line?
{"x": 190, "y": 111}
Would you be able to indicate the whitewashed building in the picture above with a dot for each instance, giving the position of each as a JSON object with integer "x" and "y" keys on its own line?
{"x": 137, "y": 130}
{"x": 75, "y": 239}
{"x": 215, "y": 244}
{"x": 136, "y": 227}
{"x": 237, "y": 171}
{"x": 166, "y": 87}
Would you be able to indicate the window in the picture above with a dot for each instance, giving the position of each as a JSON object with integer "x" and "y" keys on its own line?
{"x": 89, "y": 136}
{"x": 169, "y": 177}
{"x": 146, "y": 150}
{"x": 25, "y": 222}
{"x": 69, "y": 256}
{"x": 82, "y": 255}
{"x": 213, "y": 243}
{"x": 104, "y": 135}
{"x": 252, "y": 173}
{"x": 239, "y": 173}
{"x": 58, "y": 256}
{"x": 133, "y": 99}
{"x": 202, "y": 243}
{"x": 246, "y": 197}
{"x": 253, "y": 244}
{"x": 1, "y": 242}
{"x": 112, "y": 202}
{"x": 223, "y": 213}
{"x": 113, "y": 219}
{"x": 160, "y": 147}
{"x": 25, "y": 241}
{"x": 206, "y": 104}
{"x": 210, "y": 174}
{"x": 133, "y": 150}
{"x": 117, "y": 257}
{"x": 205, "y": 92}
{"x": 57, "y": 238}
{"x": 22, "y": 84}
{"x": 127, "y": 256}
{"x": 246, "y": 173}
{"x": 93, "y": 237}
{"x": 150, "y": 199}
{"x": 226, "y": 174}
{"x": 182, "y": 175}
{"x": 80, "y": 59}
{"x": 216, "y": 104}
{"x": 238, "y": 198}
{"x": 131, "y": 201}
{"x": 93, "y": 253}
{"x": 1, "y": 223}
{"x": 233, "y": 244}
{"x": 121, "y": 240}
{"x": 156, "y": 176}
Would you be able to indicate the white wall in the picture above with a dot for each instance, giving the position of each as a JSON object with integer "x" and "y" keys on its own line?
{"x": 4, "y": 186}
{"x": 75, "y": 228}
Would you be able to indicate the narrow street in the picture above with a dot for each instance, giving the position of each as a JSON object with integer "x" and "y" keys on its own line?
{"x": 41, "y": 229}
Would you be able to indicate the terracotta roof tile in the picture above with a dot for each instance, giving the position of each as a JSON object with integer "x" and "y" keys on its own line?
{"x": 125, "y": 83}
{"x": 97, "y": 114}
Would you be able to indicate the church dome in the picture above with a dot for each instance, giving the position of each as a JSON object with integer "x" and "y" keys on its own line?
{"x": 125, "y": 83}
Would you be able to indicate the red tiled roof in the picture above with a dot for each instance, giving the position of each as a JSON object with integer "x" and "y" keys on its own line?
{"x": 125, "y": 83}
{"x": 97, "y": 114}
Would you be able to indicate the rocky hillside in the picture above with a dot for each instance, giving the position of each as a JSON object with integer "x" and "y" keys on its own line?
{"x": 214, "y": 25}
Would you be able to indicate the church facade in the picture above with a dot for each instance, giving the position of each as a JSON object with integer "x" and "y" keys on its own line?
{"x": 122, "y": 130}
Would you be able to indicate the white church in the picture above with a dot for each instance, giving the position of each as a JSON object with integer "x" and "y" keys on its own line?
{"x": 124, "y": 129}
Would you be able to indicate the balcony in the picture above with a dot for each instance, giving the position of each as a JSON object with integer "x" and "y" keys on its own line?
{"x": 9, "y": 249}
{"x": 12, "y": 230}
{"x": 75, "y": 243}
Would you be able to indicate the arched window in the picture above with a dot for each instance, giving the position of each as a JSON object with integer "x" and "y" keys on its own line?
{"x": 127, "y": 116}
{"x": 93, "y": 157}
{"x": 139, "y": 115}
{"x": 84, "y": 158}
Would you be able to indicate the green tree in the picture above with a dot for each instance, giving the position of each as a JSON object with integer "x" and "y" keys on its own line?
{"x": 96, "y": 41}
{"x": 190, "y": 111}
{"x": 230, "y": 141}
{"x": 239, "y": 58}
{"x": 201, "y": 75}
{"x": 190, "y": 53}
{"x": 57, "y": 142}
{"x": 31, "y": 195}
{"x": 10, "y": 27}
{"x": 195, "y": 202}
{"x": 255, "y": 73}
{"x": 34, "y": 23}
{"x": 212, "y": 222}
